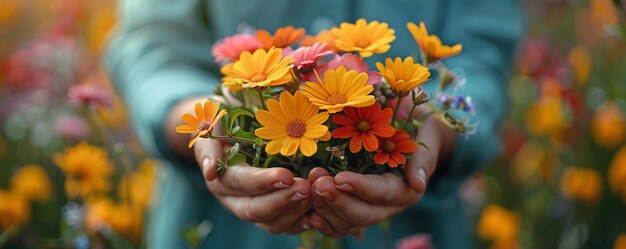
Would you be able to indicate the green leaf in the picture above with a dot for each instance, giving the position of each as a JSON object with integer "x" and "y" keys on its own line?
{"x": 224, "y": 125}
{"x": 221, "y": 166}
{"x": 232, "y": 151}
{"x": 257, "y": 156}
{"x": 233, "y": 117}
{"x": 236, "y": 159}
{"x": 243, "y": 134}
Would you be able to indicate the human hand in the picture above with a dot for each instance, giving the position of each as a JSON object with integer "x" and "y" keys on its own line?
{"x": 350, "y": 202}
{"x": 272, "y": 198}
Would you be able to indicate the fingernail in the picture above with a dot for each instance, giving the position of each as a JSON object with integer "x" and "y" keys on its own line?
{"x": 280, "y": 185}
{"x": 205, "y": 163}
{"x": 421, "y": 174}
{"x": 344, "y": 187}
{"x": 299, "y": 196}
{"x": 325, "y": 195}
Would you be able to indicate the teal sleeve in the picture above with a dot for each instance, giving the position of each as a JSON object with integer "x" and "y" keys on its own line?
{"x": 489, "y": 31}
{"x": 159, "y": 55}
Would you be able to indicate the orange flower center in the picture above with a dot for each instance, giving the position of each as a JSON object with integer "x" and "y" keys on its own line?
{"x": 389, "y": 146}
{"x": 337, "y": 99}
{"x": 204, "y": 125}
{"x": 363, "y": 44}
{"x": 258, "y": 77}
{"x": 363, "y": 126}
{"x": 296, "y": 128}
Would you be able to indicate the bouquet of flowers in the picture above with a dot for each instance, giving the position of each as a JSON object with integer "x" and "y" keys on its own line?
{"x": 318, "y": 104}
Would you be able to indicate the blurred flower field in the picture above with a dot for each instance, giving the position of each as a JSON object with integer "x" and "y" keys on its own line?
{"x": 73, "y": 176}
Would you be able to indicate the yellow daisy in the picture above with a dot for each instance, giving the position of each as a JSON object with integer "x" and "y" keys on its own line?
{"x": 204, "y": 121}
{"x": 431, "y": 45}
{"x": 32, "y": 182}
{"x": 291, "y": 123}
{"x": 87, "y": 168}
{"x": 365, "y": 38}
{"x": 340, "y": 88}
{"x": 403, "y": 76}
{"x": 261, "y": 69}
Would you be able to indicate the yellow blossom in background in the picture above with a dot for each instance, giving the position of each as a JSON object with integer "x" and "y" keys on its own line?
{"x": 580, "y": 61}
{"x": 533, "y": 160}
{"x": 608, "y": 126}
{"x": 9, "y": 9}
{"x": 100, "y": 22}
{"x": 202, "y": 124}
{"x": 431, "y": 45}
{"x": 620, "y": 242}
{"x": 123, "y": 218}
{"x": 32, "y": 182}
{"x": 87, "y": 169}
{"x": 581, "y": 184}
{"x": 261, "y": 69}
{"x": 363, "y": 37}
{"x": 139, "y": 184}
{"x": 291, "y": 124}
{"x": 403, "y": 76}
{"x": 604, "y": 12}
{"x": 499, "y": 225}
{"x": 14, "y": 210}
{"x": 340, "y": 88}
{"x": 545, "y": 117}
{"x": 283, "y": 37}
{"x": 617, "y": 173}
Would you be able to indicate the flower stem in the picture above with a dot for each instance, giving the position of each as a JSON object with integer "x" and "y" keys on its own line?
{"x": 260, "y": 92}
{"x": 395, "y": 111}
{"x": 232, "y": 138}
{"x": 409, "y": 117}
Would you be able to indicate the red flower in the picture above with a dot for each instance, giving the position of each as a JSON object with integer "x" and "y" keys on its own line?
{"x": 364, "y": 125}
{"x": 392, "y": 150}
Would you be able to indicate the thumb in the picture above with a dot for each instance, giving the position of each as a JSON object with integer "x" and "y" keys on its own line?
{"x": 207, "y": 152}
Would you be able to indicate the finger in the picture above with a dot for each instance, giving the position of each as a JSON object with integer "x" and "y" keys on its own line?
{"x": 291, "y": 221}
{"x": 316, "y": 173}
{"x": 385, "y": 189}
{"x": 318, "y": 222}
{"x": 266, "y": 207}
{"x": 245, "y": 180}
{"x": 342, "y": 210}
{"x": 207, "y": 152}
{"x": 424, "y": 162}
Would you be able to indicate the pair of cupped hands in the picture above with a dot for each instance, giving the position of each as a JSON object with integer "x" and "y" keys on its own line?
{"x": 345, "y": 204}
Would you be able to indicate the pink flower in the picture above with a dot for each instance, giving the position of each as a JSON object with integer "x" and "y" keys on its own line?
{"x": 307, "y": 57}
{"x": 90, "y": 95}
{"x": 231, "y": 47}
{"x": 418, "y": 241}
{"x": 350, "y": 62}
{"x": 405, "y": 106}
{"x": 71, "y": 127}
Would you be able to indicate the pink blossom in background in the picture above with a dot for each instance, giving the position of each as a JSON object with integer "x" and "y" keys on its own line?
{"x": 350, "y": 62}
{"x": 90, "y": 95}
{"x": 418, "y": 241}
{"x": 306, "y": 58}
{"x": 71, "y": 127}
{"x": 231, "y": 47}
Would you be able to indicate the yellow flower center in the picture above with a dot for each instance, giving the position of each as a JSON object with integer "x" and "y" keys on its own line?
{"x": 258, "y": 77}
{"x": 296, "y": 128}
{"x": 363, "y": 126}
{"x": 337, "y": 99}
{"x": 389, "y": 146}
{"x": 363, "y": 44}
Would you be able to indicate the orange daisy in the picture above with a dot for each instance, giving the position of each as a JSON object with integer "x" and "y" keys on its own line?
{"x": 392, "y": 150}
{"x": 364, "y": 125}
{"x": 259, "y": 69}
{"x": 431, "y": 45}
{"x": 283, "y": 37}
{"x": 204, "y": 121}
{"x": 324, "y": 36}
